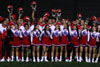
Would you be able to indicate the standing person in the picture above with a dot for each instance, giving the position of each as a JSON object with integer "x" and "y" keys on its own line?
{"x": 55, "y": 42}
{"x": 74, "y": 41}
{"x": 64, "y": 42}
{"x": 4, "y": 38}
{"x": 16, "y": 42}
{"x": 7, "y": 42}
{"x": 83, "y": 43}
{"x": 35, "y": 41}
{"x": 46, "y": 42}
{"x": 25, "y": 42}
{"x": 1, "y": 34}
{"x": 98, "y": 45}
{"x": 92, "y": 43}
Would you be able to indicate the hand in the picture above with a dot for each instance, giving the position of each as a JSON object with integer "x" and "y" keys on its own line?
{"x": 31, "y": 43}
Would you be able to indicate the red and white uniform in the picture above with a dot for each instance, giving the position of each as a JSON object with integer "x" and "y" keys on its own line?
{"x": 35, "y": 38}
{"x": 64, "y": 37}
{"x": 74, "y": 38}
{"x": 46, "y": 38}
{"x": 55, "y": 37}
{"x": 25, "y": 38}
{"x": 52, "y": 27}
{"x": 84, "y": 37}
{"x": 22, "y": 28}
{"x": 16, "y": 38}
{"x": 31, "y": 27}
{"x": 3, "y": 34}
{"x": 42, "y": 26}
{"x": 92, "y": 39}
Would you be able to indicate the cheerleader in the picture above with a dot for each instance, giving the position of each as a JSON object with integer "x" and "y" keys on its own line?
{"x": 92, "y": 43}
{"x": 64, "y": 42}
{"x": 7, "y": 42}
{"x": 35, "y": 41}
{"x": 46, "y": 42}
{"x": 16, "y": 42}
{"x": 25, "y": 42}
{"x": 55, "y": 42}
{"x": 98, "y": 45}
{"x": 74, "y": 42}
{"x": 3, "y": 35}
{"x": 83, "y": 43}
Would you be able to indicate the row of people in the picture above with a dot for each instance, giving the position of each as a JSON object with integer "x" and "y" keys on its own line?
{"x": 54, "y": 35}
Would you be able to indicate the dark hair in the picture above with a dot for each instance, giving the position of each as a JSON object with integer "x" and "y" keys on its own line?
{"x": 92, "y": 28}
{"x": 35, "y": 29}
{"x": 46, "y": 29}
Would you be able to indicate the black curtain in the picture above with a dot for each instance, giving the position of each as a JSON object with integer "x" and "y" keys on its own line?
{"x": 69, "y": 7}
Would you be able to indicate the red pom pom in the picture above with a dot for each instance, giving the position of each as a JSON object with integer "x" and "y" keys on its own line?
{"x": 98, "y": 19}
{"x": 58, "y": 10}
{"x": 47, "y": 14}
{"x": 26, "y": 18}
{"x": 53, "y": 10}
{"x": 10, "y": 6}
{"x": 79, "y": 15}
{"x": 14, "y": 16}
{"x": 20, "y": 8}
{"x": 1, "y": 18}
{"x": 33, "y": 2}
{"x": 93, "y": 18}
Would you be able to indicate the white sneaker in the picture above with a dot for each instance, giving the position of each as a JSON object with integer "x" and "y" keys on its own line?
{"x": 96, "y": 61}
{"x": 17, "y": 60}
{"x": 2, "y": 60}
{"x": 42, "y": 59}
{"x": 12, "y": 60}
{"x": 56, "y": 59}
{"x": 67, "y": 60}
{"x": 34, "y": 60}
{"x": 60, "y": 60}
{"x": 27, "y": 59}
{"x": 46, "y": 60}
{"x": 92, "y": 60}
{"x": 89, "y": 60}
{"x": 70, "y": 60}
{"x": 80, "y": 59}
{"x": 8, "y": 60}
{"x": 52, "y": 60}
{"x": 22, "y": 60}
{"x": 38, "y": 60}
{"x": 86, "y": 60}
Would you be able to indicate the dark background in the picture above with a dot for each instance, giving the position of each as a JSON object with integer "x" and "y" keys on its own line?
{"x": 69, "y": 7}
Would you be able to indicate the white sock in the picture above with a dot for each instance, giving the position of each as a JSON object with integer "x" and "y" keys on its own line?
{"x": 77, "y": 58}
{"x": 61, "y": 57}
{"x": 42, "y": 57}
{"x": 33, "y": 58}
{"x": 45, "y": 57}
{"x": 27, "y": 57}
{"x": 51, "y": 58}
{"x": 86, "y": 58}
{"x": 37, "y": 58}
{"x": 70, "y": 57}
{"x": 12, "y": 57}
{"x": 93, "y": 59}
{"x": 16, "y": 57}
{"x": 97, "y": 59}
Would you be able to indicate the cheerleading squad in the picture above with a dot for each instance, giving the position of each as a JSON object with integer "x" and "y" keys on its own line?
{"x": 76, "y": 37}
{"x": 55, "y": 39}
